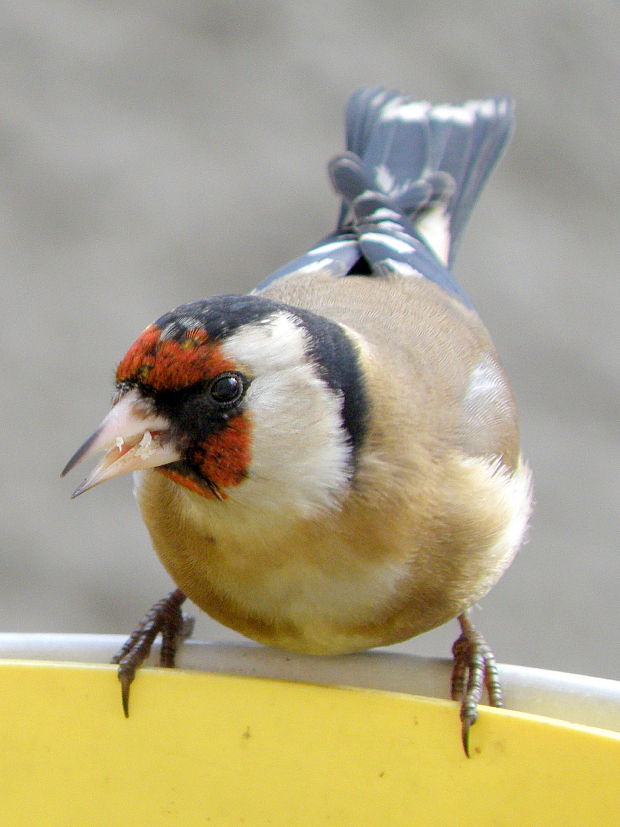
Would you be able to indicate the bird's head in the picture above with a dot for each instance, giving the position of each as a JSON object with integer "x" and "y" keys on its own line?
{"x": 237, "y": 396}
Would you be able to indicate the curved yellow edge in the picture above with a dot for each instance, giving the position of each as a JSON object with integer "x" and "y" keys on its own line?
{"x": 212, "y": 749}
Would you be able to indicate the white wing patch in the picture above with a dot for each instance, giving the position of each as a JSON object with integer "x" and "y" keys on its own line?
{"x": 486, "y": 384}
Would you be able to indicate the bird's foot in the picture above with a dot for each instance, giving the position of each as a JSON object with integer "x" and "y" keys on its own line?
{"x": 165, "y": 617}
{"x": 474, "y": 668}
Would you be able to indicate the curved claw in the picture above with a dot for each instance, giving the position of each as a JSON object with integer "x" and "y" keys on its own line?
{"x": 465, "y": 725}
{"x": 474, "y": 668}
{"x": 469, "y": 716}
{"x": 126, "y": 676}
{"x": 165, "y": 617}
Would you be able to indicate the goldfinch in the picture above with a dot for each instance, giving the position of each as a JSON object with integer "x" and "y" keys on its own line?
{"x": 332, "y": 462}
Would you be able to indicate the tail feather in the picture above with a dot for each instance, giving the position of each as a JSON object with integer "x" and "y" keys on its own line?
{"x": 363, "y": 111}
{"x": 492, "y": 128}
{"x": 409, "y": 180}
{"x": 388, "y": 241}
{"x": 454, "y": 145}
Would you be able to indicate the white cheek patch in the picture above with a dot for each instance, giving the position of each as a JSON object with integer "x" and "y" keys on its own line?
{"x": 300, "y": 452}
{"x": 267, "y": 346}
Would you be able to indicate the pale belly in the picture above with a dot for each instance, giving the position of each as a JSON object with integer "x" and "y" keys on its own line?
{"x": 301, "y": 604}
{"x": 335, "y": 585}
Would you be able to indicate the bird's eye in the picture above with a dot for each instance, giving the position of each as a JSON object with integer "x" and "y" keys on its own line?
{"x": 227, "y": 389}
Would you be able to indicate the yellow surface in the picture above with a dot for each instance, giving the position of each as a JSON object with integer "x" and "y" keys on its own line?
{"x": 212, "y": 749}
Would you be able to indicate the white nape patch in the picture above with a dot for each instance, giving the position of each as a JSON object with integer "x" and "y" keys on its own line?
{"x": 434, "y": 225}
{"x": 299, "y": 450}
{"x": 395, "y": 244}
{"x": 400, "y": 110}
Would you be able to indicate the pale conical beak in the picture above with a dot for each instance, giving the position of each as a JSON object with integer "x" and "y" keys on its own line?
{"x": 132, "y": 438}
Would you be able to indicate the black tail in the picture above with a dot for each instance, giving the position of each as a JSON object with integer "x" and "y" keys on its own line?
{"x": 432, "y": 161}
{"x": 408, "y": 181}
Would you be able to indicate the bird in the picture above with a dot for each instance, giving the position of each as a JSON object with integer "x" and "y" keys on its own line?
{"x": 331, "y": 462}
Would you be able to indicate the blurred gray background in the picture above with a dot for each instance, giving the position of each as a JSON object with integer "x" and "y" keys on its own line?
{"x": 155, "y": 152}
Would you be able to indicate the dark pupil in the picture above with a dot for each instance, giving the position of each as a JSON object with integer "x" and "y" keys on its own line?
{"x": 226, "y": 389}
